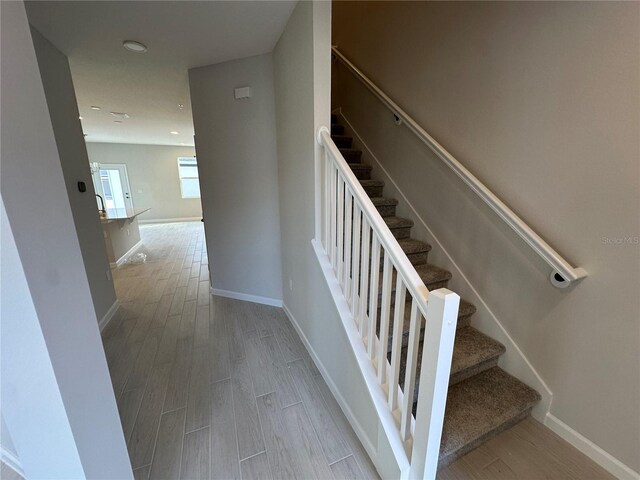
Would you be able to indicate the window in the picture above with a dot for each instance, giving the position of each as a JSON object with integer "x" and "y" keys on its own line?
{"x": 188, "y": 172}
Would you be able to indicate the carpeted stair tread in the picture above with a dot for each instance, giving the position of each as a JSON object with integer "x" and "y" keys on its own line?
{"x": 351, "y": 155}
{"x": 411, "y": 245}
{"x": 398, "y": 222}
{"x": 373, "y": 188}
{"x": 385, "y": 206}
{"x": 466, "y": 308}
{"x": 415, "y": 250}
{"x": 431, "y": 274}
{"x": 472, "y": 351}
{"x": 384, "y": 201}
{"x": 481, "y": 407}
{"x": 362, "y": 171}
{"x": 372, "y": 183}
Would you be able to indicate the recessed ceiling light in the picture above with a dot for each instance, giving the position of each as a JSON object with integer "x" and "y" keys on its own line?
{"x": 95, "y": 107}
{"x": 181, "y": 106}
{"x": 120, "y": 115}
{"x": 173, "y": 132}
{"x": 117, "y": 121}
{"x": 80, "y": 117}
{"x": 135, "y": 47}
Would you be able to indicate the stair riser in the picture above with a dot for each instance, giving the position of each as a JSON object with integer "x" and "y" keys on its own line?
{"x": 361, "y": 173}
{"x": 337, "y": 129}
{"x": 474, "y": 370}
{"x": 342, "y": 142}
{"x": 374, "y": 191}
{"x": 387, "y": 210}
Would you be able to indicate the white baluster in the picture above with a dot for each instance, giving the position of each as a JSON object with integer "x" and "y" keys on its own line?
{"x": 373, "y": 294}
{"x": 440, "y": 330}
{"x": 333, "y": 214}
{"x": 327, "y": 200}
{"x": 348, "y": 229}
{"x": 355, "y": 270}
{"x": 340, "y": 259}
{"x": 383, "y": 344}
{"x": 364, "y": 276}
{"x": 396, "y": 341}
{"x": 415, "y": 326}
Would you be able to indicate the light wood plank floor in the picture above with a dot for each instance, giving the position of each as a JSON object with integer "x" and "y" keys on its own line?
{"x": 527, "y": 451}
{"x": 213, "y": 388}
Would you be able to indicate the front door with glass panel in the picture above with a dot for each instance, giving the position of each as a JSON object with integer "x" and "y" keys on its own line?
{"x": 112, "y": 183}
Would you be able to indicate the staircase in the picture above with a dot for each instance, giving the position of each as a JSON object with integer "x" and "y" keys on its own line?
{"x": 482, "y": 399}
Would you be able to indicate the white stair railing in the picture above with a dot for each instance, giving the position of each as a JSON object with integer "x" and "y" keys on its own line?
{"x": 358, "y": 242}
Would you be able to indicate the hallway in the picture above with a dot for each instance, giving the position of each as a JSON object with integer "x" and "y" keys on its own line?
{"x": 209, "y": 387}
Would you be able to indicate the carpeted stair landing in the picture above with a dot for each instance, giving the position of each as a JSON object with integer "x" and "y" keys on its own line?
{"x": 483, "y": 400}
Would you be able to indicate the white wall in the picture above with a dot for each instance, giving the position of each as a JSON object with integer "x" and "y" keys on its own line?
{"x": 56, "y": 390}
{"x": 153, "y": 178}
{"x": 236, "y": 149}
{"x": 302, "y": 68}
{"x": 541, "y": 102}
{"x": 63, "y": 110}
{"x": 31, "y": 399}
{"x": 8, "y": 453}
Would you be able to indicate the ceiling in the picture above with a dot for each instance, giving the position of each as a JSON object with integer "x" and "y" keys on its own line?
{"x": 150, "y": 87}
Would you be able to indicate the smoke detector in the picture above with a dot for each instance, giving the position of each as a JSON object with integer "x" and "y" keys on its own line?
{"x": 135, "y": 47}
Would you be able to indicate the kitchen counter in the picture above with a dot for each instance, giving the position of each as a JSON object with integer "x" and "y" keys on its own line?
{"x": 114, "y": 214}
{"x": 121, "y": 233}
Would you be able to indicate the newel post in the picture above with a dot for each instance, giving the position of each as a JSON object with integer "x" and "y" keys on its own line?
{"x": 440, "y": 331}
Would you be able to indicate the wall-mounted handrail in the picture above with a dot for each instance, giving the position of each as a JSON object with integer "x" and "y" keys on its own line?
{"x": 563, "y": 274}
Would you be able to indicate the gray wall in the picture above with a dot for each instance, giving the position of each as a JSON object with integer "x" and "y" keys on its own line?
{"x": 541, "y": 102}
{"x": 236, "y": 150}
{"x": 63, "y": 110}
{"x": 302, "y": 67}
{"x": 153, "y": 178}
{"x": 120, "y": 237}
{"x": 57, "y": 398}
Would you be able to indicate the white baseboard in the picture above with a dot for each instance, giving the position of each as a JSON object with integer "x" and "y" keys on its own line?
{"x": 357, "y": 428}
{"x": 611, "y": 464}
{"x": 513, "y": 361}
{"x": 104, "y": 321}
{"x": 11, "y": 461}
{"x": 170, "y": 220}
{"x": 124, "y": 257}
{"x": 274, "y": 302}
